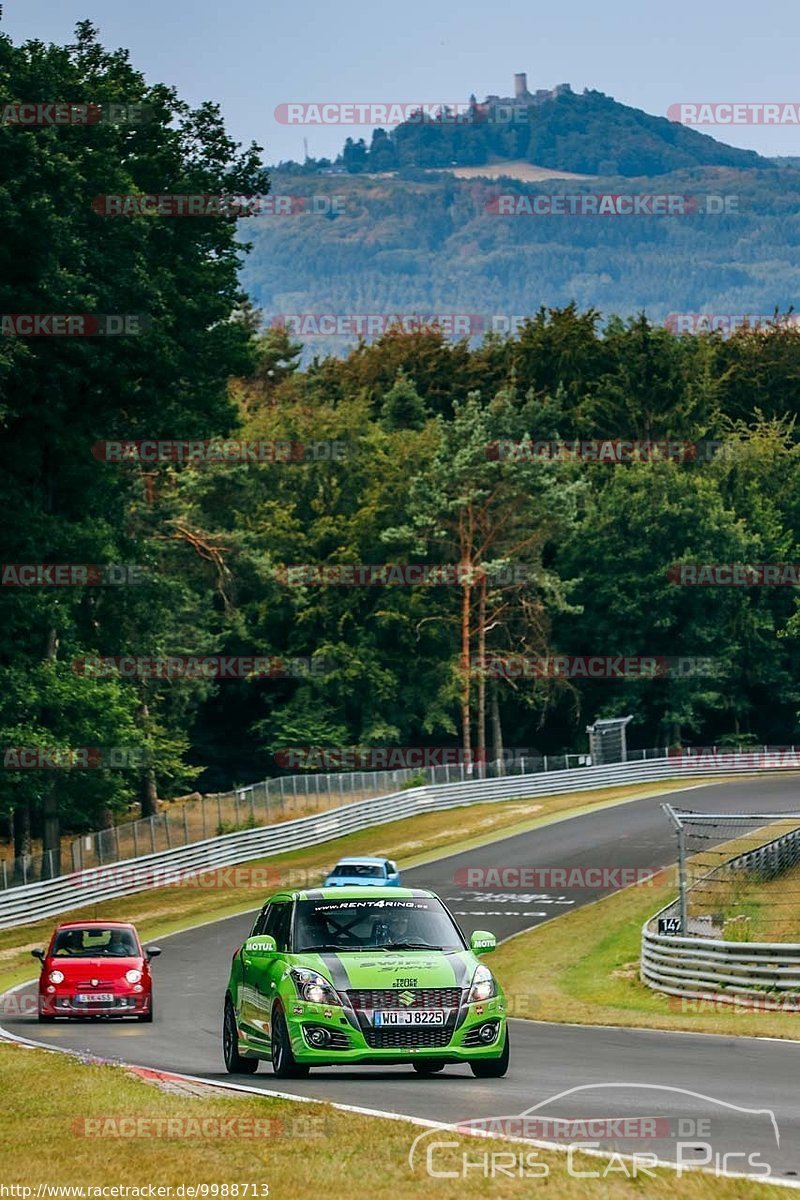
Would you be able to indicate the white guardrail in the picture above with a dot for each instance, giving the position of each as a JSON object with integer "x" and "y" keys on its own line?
{"x": 736, "y": 973}
{"x": 32, "y": 902}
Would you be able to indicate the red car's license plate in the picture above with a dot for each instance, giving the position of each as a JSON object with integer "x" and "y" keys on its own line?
{"x": 95, "y": 998}
{"x": 404, "y": 1016}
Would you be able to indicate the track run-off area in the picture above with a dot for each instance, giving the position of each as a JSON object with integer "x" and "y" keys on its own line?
{"x": 730, "y": 1104}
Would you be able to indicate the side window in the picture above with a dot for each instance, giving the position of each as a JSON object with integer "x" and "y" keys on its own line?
{"x": 280, "y": 926}
{"x": 261, "y": 921}
{"x": 391, "y": 868}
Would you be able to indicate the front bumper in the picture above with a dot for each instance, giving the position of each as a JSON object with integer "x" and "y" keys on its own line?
{"x": 353, "y": 1039}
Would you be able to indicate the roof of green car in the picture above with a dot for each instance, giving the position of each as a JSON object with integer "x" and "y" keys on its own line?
{"x": 354, "y": 893}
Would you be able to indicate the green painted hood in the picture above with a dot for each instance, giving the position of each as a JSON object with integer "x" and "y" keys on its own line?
{"x": 382, "y": 969}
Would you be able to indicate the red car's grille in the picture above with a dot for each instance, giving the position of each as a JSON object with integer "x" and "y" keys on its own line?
{"x": 370, "y": 998}
{"x": 94, "y": 985}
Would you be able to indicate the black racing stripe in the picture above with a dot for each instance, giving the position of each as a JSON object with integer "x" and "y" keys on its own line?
{"x": 337, "y": 972}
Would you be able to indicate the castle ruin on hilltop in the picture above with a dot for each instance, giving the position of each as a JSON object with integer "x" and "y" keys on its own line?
{"x": 523, "y": 96}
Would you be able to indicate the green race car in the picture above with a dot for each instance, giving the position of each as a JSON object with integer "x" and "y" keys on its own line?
{"x": 345, "y": 975}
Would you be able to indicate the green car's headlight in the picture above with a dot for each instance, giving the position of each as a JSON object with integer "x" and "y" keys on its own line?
{"x": 483, "y": 985}
{"x": 314, "y": 987}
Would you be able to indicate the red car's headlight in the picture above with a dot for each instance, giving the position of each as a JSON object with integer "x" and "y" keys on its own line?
{"x": 133, "y": 976}
{"x": 56, "y": 977}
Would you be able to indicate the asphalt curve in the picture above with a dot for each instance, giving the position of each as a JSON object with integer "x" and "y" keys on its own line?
{"x": 713, "y": 1096}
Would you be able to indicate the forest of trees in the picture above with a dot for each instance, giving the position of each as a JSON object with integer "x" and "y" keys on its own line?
{"x": 589, "y": 134}
{"x": 437, "y": 244}
{"x": 416, "y": 416}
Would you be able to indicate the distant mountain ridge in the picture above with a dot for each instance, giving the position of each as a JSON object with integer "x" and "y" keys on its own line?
{"x": 588, "y": 133}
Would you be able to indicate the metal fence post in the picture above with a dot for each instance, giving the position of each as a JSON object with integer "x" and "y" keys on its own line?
{"x": 135, "y": 839}
{"x": 5, "y": 875}
{"x": 153, "y": 834}
{"x": 166, "y": 829}
{"x": 185, "y": 827}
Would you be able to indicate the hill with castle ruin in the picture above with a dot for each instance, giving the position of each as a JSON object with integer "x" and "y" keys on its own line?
{"x": 554, "y": 128}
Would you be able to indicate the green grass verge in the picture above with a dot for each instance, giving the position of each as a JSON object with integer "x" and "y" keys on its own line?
{"x": 584, "y": 968}
{"x": 64, "y": 1126}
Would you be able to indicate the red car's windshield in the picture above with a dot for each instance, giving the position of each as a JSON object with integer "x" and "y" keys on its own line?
{"x": 95, "y": 941}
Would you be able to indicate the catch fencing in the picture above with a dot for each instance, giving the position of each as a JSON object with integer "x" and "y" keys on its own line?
{"x": 24, "y": 905}
{"x": 264, "y": 803}
{"x": 704, "y": 945}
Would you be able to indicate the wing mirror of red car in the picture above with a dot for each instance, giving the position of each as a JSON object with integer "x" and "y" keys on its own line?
{"x": 152, "y": 952}
{"x": 38, "y": 954}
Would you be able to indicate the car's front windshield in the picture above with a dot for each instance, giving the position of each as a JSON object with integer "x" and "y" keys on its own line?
{"x": 95, "y": 943}
{"x": 359, "y": 871}
{"x": 374, "y": 924}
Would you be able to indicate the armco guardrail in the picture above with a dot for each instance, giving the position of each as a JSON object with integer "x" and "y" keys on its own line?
{"x": 24, "y": 905}
{"x": 703, "y": 968}
{"x": 730, "y": 972}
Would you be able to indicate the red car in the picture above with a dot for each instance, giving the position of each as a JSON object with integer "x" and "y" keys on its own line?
{"x": 96, "y": 969}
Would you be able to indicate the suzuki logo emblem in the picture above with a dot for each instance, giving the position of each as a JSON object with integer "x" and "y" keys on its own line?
{"x": 406, "y": 998}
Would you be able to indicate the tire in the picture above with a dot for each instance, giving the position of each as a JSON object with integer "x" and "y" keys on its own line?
{"x": 428, "y": 1068}
{"x": 235, "y": 1064}
{"x": 147, "y": 1018}
{"x": 284, "y": 1063}
{"x": 45, "y": 1020}
{"x": 492, "y": 1068}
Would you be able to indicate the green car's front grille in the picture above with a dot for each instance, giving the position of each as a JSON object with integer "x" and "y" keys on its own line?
{"x": 370, "y": 998}
{"x": 409, "y": 1037}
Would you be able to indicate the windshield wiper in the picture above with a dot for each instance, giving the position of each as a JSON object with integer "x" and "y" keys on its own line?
{"x": 331, "y": 948}
{"x": 410, "y": 946}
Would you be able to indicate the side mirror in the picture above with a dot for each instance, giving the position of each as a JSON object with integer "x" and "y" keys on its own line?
{"x": 38, "y": 954}
{"x": 261, "y": 946}
{"x": 482, "y": 942}
{"x": 151, "y": 952}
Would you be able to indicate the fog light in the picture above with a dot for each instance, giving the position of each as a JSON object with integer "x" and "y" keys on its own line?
{"x": 488, "y": 1033}
{"x": 317, "y": 1036}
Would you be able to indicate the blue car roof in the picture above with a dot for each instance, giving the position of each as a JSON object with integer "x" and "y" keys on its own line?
{"x": 352, "y": 858}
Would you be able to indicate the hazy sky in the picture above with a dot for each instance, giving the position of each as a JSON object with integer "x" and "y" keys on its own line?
{"x": 252, "y": 57}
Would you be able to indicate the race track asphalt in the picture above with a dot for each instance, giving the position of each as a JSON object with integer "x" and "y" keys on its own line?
{"x": 681, "y": 1078}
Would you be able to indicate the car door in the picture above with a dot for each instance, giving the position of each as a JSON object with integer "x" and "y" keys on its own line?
{"x": 246, "y": 1001}
{"x": 263, "y": 973}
